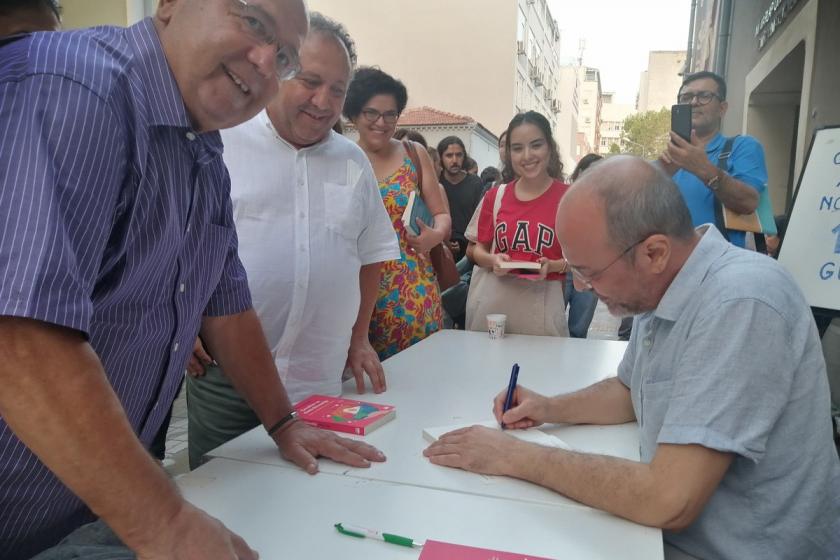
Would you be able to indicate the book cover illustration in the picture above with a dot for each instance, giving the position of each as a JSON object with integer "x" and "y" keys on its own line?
{"x": 344, "y": 415}
{"x": 436, "y": 550}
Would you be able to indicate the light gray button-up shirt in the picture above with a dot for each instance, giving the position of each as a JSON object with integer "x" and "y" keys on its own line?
{"x": 731, "y": 360}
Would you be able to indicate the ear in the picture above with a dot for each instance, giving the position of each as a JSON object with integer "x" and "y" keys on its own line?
{"x": 724, "y": 105}
{"x": 165, "y": 10}
{"x": 656, "y": 252}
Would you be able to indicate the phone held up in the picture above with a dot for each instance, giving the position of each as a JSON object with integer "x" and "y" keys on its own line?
{"x": 681, "y": 120}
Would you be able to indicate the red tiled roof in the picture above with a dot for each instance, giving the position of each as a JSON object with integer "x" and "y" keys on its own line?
{"x": 417, "y": 116}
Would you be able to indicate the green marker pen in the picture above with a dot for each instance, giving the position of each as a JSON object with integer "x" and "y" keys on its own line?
{"x": 362, "y": 533}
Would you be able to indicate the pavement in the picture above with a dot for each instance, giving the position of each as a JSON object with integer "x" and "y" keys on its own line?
{"x": 603, "y": 327}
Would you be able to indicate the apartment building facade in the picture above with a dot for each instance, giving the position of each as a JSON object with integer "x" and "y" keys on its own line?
{"x": 612, "y": 122}
{"x": 487, "y": 59}
{"x": 659, "y": 84}
{"x": 589, "y": 113}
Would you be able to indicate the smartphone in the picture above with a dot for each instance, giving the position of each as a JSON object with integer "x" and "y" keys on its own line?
{"x": 681, "y": 120}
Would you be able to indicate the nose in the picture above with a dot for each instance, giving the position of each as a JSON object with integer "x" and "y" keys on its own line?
{"x": 321, "y": 97}
{"x": 264, "y": 57}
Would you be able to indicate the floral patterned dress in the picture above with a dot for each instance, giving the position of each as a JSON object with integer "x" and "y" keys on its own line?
{"x": 408, "y": 307}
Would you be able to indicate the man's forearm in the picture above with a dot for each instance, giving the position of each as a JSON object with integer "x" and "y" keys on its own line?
{"x": 238, "y": 344}
{"x": 605, "y": 402}
{"x": 369, "y": 291}
{"x": 732, "y": 193}
{"x": 57, "y": 400}
{"x": 621, "y": 487}
{"x": 736, "y": 195}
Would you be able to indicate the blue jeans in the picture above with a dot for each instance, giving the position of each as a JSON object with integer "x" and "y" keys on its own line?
{"x": 581, "y": 308}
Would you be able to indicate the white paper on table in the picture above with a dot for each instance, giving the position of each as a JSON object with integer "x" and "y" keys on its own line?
{"x": 531, "y": 435}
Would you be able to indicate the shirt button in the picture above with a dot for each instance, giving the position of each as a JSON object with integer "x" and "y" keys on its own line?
{"x": 183, "y": 287}
{"x": 190, "y": 136}
{"x": 189, "y": 227}
{"x": 175, "y": 347}
{"x": 646, "y": 342}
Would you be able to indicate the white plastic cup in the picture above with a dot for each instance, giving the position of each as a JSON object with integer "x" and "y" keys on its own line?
{"x": 496, "y": 325}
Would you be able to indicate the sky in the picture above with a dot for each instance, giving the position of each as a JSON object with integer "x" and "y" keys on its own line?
{"x": 619, "y": 35}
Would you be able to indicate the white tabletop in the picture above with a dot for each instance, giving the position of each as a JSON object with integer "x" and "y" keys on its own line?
{"x": 452, "y": 377}
{"x": 285, "y": 513}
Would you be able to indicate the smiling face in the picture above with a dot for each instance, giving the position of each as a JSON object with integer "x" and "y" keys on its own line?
{"x": 307, "y": 106}
{"x": 529, "y": 152}
{"x": 705, "y": 119}
{"x": 224, "y": 75}
{"x": 377, "y": 134}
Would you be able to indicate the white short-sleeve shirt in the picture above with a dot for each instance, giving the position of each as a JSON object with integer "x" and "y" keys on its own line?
{"x": 307, "y": 220}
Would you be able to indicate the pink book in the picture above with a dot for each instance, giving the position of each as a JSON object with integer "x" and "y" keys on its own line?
{"x": 436, "y": 550}
{"x": 344, "y": 415}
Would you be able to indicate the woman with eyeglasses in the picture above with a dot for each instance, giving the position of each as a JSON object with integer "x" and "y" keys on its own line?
{"x": 515, "y": 226}
{"x": 408, "y": 308}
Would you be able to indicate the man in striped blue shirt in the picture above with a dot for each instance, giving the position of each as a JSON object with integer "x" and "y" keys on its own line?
{"x": 116, "y": 245}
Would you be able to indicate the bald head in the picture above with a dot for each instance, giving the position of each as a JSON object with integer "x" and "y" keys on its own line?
{"x": 629, "y": 199}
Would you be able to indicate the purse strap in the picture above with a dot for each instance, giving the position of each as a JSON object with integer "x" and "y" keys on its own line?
{"x": 411, "y": 150}
{"x": 497, "y": 203}
{"x": 723, "y": 165}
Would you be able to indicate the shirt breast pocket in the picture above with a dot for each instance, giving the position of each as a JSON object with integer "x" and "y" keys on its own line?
{"x": 342, "y": 211}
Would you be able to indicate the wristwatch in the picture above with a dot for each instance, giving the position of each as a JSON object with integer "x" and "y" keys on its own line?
{"x": 714, "y": 183}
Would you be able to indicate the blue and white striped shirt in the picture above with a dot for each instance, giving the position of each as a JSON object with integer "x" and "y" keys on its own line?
{"x": 115, "y": 220}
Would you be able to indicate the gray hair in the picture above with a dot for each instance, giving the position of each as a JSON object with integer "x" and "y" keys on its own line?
{"x": 639, "y": 201}
{"x": 320, "y": 23}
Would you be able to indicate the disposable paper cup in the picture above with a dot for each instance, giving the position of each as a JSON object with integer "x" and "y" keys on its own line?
{"x": 496, "y": 325}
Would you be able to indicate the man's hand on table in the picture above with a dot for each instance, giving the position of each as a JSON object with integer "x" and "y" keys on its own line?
{"x": 476, "y": 449}
{"x": 302, "y": 444}
{"x": 361, "y": 359}
{"x": 194, "y": 535}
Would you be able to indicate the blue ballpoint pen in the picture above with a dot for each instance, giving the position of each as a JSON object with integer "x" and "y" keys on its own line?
{"x": 514, "y": 376}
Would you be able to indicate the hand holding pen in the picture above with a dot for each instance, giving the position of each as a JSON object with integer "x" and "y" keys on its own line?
{"x": 527, "y": 409}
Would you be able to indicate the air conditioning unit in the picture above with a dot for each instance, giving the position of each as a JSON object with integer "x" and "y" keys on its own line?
{"x": 520, "y": 47}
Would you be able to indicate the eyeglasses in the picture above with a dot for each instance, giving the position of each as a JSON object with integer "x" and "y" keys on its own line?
{"x": 587, "y": 279}
{"x": 372, "y": 115}
{"x": 258, "y": 24}
{"x": 702, "y": 97}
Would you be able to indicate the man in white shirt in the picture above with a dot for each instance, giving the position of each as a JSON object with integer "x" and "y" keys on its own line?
{"x": 313, "y": 233}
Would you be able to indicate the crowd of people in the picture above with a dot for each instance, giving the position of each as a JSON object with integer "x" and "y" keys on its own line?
{"x": 272, "y": 261}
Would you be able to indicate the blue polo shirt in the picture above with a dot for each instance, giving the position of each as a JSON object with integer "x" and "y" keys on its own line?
{"x": 731, "y": 360}
{"x": 745, "y": 164}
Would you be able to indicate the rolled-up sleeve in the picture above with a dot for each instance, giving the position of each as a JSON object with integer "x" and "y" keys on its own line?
{"x": 61, "y": 173}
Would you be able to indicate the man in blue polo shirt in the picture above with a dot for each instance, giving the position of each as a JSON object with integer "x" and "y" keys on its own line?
{"x": 694, "y": 165}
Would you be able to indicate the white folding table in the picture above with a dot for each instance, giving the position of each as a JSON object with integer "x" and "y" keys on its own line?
{"x": 449, "y": 378}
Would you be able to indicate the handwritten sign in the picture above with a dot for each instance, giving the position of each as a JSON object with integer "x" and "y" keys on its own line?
{"x": 811, "y": 248}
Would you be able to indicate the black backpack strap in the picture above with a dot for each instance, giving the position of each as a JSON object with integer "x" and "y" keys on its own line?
{"x": 723, "y": 164}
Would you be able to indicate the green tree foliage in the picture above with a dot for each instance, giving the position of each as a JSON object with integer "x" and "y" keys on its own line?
{"x": 646, "y": 134}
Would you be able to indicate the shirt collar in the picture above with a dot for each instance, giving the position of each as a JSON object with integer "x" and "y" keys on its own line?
{"x": 684, "y": 285}
{"x": 165, "y": 106}
{"x": 715, "y": 143}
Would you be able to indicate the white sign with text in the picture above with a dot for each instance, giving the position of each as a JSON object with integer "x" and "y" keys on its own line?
{"x": 811, "y": 247}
